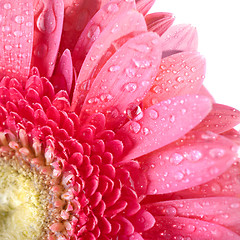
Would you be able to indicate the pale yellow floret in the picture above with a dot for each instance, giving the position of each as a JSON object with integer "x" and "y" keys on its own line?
{"x": 21, "y": 209}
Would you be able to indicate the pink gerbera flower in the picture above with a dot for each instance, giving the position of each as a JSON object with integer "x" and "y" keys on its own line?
{"x": 106, "y": 130}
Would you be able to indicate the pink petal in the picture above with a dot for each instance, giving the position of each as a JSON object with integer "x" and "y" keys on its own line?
{"x": 187, "y": 163}
{"x": 227, "y": 184}
{"x": 47, "y": 35}
{"x": 143, "y": 6}
{"x": 179, "y": 74}
{"x": 63, "y": 76}
{"x": 16, "y": 38}
{"x": 172, "y": 228}
{"x": 96, "y": 26}
{"x": 220, "y": 210}
{"x": 127, "y": 77}
{"x": 76, "y": 16}
{"x": 159, "y": 22}
{"x": 203, "y": 91}
{"x": 97, "y": 56}
{"x": 221, "y": 119}
{"x": 163, "y": 123}
{"x": 179, "y": 38}
{"x": 233, "y": 134}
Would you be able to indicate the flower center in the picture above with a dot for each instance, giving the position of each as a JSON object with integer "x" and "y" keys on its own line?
{"x": 22, "y": 210}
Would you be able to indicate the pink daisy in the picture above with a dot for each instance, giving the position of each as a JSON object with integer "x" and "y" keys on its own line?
{"x": 106, "y": 130}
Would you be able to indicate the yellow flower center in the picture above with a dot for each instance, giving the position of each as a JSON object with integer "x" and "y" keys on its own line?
{"x": 22, "y": 211}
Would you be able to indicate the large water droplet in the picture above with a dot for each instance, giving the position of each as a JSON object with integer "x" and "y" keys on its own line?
{"x": 19, "y": 19}
{"x": 7, "y": 6}
{"x": 194, "y": 155}
{"x": 130, "y": 87}
{"x": 46, "y": 22}
{"x": 40, "y": 50}
{"x": 153, "y": 114}
{"x": 94, "y": 32}
{"x": 191, "y": 228}
{"x": 135, "y": 127}
{"x": 145, "y": 131}
{"x": 170, "y": 211}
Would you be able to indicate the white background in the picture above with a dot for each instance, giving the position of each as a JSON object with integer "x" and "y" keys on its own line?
{"x": 218, "y": 25}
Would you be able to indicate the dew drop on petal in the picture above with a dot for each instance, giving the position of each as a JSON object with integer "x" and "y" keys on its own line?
{"x": 46, "y": 22}
{"x": 113, "y": 8}
{"x": 130, "y": 87}
{"x": 170, "y": 211}
{"x": 130, "y": 72}
{"x": 141, "y": 63}
{"x": 40, "y": 50}
{"x": 145, "y": 131}
{"x": 194, "y": 155}
{"x": 235, "y": 205}
{"x": 7, "y": 6}
{"x": 135, "y": 127}
{"x": 176, "y": 158}
{"x": 8, "y": 47}
{"x": 153, "y": 114}
{"x": 179, "y": 176}
{"x": 191, "y": 228}
{"x": 217, "y": 152}
{"x": 114, "y": 68}
{"x": 94, "y": 32}
{"x": 172, "y": 118}
{"x": 19, "y": 19}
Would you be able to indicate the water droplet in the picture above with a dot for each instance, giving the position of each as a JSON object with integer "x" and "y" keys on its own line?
{"x": 114, "y": 68}
{"x": 8, "y": 47}
{"x": 113, "y": 8}
{"x": 183, "y": 110}
{"x": 40, "y": 50}
{"x": 46, "y": 22}
{"x": 176, "y": 158}
{"x": 141, "y": 63}
{"x": 17, "y": 33}
{"x": 193, "y": 69}
{"x": 153, "y": 114}
{"x": 145, "y": 131}
{"x": 217, "y": 152}
{"x": 19, "y": 19}
{"x": 170, "y": 211}
{"x": 179, "y": 176}
{"x": 135, "y": 127}
{"x": 106, "y": 97}
{"x": 93, "y": 100}
{"x": 130, "y": 72}
{"x": 216, "y": 188}
{"x": 179, "y": 79}
{"x": 94, "y": 32}
{"x": 145, "y": 83}
{"x": 172, "y": 118}
{"x": 235, "y": 205}
{"x": 115, "y": 28}
{"x": 7, "y": 6}
{"x": 130, "y": 87}
{"x": 6, "y": 28}
{"x": 194, "y": 155}
{"x": 29, "y": 24}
